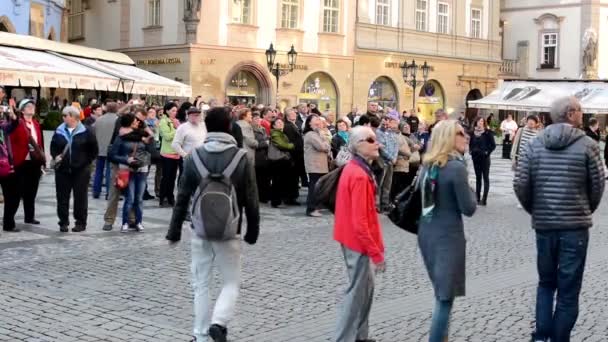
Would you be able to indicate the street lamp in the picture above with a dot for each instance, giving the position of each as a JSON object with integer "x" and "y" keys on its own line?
{"x": 276, "y": 69}
{"x": 410, "y": 72}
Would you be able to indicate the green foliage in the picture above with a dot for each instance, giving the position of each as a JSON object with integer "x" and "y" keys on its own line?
{"x": 43, "y": 106}
{"x": 495, "y": 127}
{"x": 52, "y": 121}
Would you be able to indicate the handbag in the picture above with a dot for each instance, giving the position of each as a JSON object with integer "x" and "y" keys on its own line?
{"x": 275, "y": 154}
{"x": 343, "y": 157}
{"x": 407, "y": 208}
{"x": 36, "y": 153}
{"x": 56, "y": 164}
{"x": 122, "y": 175}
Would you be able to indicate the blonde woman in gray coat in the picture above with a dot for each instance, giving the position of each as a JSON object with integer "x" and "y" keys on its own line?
{"x": 249, "y": 141}
{"x": 316, "y": 159}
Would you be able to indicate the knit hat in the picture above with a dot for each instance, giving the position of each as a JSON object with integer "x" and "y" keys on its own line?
{"x": 24, "y": 103}
{"x": 393, "y": 115}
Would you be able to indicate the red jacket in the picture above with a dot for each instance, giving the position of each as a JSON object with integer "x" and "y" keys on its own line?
{"x": 264, "y": 123}
{"x": 20, "y": 141}
{"x": 357, "y": 226}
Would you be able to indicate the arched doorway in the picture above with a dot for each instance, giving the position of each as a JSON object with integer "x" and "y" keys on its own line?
{"x": 430, "y": 98}
{"x": 320, "y": 89}
{"x": 383, "y": 91}
{"x": 471, "y": 113}
{"x": 247, "y": 84}
{"x": 6, "y": 25}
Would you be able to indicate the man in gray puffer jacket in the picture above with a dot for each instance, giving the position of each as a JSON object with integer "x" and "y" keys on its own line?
{"x": 560, "y": 181}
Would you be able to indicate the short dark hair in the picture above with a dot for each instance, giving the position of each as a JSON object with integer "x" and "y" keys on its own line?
{"x": 592, "y": 122}
{"x": 532, "y": 117}
{"x": 127, "y": 120}
{"x": 374, "y": 121}
{"x": 168, "y": 106}
{"x": 363, "y": 120}
{"x": 274, "y": 122}
{"x": 218, "y": 119}
{"x": 95, "y": 106}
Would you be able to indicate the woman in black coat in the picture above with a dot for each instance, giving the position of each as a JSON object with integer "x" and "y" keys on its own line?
{"x": 481, "y": 146}
{"x": 340, "y": 139}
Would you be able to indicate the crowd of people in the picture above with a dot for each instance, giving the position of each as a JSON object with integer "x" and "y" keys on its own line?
{"x": 227, "y": 159}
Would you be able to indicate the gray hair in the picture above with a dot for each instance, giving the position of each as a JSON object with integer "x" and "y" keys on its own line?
{"x": 357, "y": 135}
{"x": 289, "y": 110}
{"x": 561, "y": 107}
{"x": 71, "y": 111}
{"x": 302, "y": 105}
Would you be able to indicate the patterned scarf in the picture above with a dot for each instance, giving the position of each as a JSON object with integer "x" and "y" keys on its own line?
{"x": 428, "y": 185}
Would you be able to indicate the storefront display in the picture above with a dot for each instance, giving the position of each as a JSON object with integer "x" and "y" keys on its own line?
{"x": 383, "y": 91}
{"x": 319, "y": 89}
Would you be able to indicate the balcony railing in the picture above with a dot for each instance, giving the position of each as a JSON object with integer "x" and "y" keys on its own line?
{"x": 76, "y": 26}
{"x": 509, "y": 67}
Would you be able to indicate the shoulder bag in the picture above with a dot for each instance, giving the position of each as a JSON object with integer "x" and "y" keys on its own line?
{"x": 407, "y": 208}
{"x": 36, "y": 153}
{"x": 122, "y": 175}
{"x": 275, "y": 154}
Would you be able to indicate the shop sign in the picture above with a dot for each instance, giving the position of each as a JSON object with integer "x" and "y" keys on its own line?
{"x": 159, "y": 61}
{"x": 207, "y": 61}
{"x": 295, "y": 67}
{"x": 392, "y": 65}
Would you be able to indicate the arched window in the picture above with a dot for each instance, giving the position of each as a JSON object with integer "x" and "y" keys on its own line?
{"x": 320, "y": 90}
{"x": 549, "y": 40}
{"x": 383, "y": 91}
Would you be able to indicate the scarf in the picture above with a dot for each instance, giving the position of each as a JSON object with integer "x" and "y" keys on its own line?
{"x": 344, "y": 136}
{"x": 479, "y": 131}
{"x": 428, "y": 185}
{"x": 357, "y": 159}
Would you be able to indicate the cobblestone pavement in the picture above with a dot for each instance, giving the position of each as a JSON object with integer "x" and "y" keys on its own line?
{"x": 100, "y": 286}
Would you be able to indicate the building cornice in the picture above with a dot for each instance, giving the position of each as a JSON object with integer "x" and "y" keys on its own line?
{"x": 375, "y": 51}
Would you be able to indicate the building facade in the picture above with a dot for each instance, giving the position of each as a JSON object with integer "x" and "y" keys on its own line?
{"x": 349, "y": 52}
{"x": 547, "y": 39}
{"x": 40, "y": 18}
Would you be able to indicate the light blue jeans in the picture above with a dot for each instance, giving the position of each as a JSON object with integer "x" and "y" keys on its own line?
{"x": 440, "y": 322}
{"x": 134, "y": 197}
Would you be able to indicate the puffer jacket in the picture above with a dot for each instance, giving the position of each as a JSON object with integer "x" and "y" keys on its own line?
{"x": 559, "y": 178}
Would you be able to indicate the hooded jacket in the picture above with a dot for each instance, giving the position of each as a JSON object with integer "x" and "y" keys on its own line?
{"x": 216, "y": 153}
{"x": 82, "y": 151}
{"x": 559, "y": 178}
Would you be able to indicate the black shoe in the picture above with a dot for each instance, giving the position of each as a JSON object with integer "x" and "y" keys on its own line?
{"x": 148, "y": 197}
{"x": 366, "y": 340}
{"x": 107, "y": 227}
{"x": 484, "y": 203}
{"x": 218, "y": 333}
{"x": 96, "y": 196}
{"x": 36, "y": 222}
{"x": 79, "y": 229}
{"x": 12, "y": 230}
{"x": 64, "y": 229}
{"x": 171, "y": 202}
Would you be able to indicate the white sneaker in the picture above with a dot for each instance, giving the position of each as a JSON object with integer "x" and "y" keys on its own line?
{"x": 139, "y": 227}
{"x": 124, "y": 228}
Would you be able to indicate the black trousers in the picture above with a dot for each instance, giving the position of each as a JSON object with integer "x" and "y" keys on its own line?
{"x": 21, "y": 185}
{"x": 263, "y": 178}
{"x": 482, "y": 172}
{"x": 76, "y": 182}
{"x": 301, "y": 170}
{"x": 279, "y": 176}
{"x": 399, "y": 184}
{"x": 169, "y": 175}
{"x": 310, "y": 199}
{"x": 507, "y": 145}
{"x": 293, "y": 183}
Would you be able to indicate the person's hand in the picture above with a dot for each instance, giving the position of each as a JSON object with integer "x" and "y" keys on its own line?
{"x": 130, "y": 160}
{"x": 58, "y": 159}
{"x": 379, "y": 267}
{"x": 416, "y": 147}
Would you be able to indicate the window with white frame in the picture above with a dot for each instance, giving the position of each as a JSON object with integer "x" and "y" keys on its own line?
{"x": 549, "y": 50}
{"x": 153, "y": 12}
{"x": 331, "y": 15}
{"x": 443, "y": 18}
{"x": 382, "y": 12}
{"x": 75, "y": 19}
{"x": 241, "y": 11}
{"x": 289, "y": 13}
{"x": 475, "y": 23}
{"x": 421, "y": 15}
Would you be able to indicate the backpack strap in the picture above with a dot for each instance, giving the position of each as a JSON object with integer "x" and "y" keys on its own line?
{"x": 200, "y": 167}
{"x": 229, "y": 170}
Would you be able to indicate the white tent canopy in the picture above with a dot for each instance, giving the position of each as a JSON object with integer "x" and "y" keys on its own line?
{"x": 537, "y": 96}
{"x": 31, "y": 62}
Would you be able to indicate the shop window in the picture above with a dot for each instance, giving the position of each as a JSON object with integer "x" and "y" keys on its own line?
{"x": 443, "y": 18}
{"x": 153, "y": 13}
{"x": 241, "y": 11}
{"x": 421, "y": 15}
{"x": 75, "y": 20}
{"x": 290, "y": 10}
{"x": 383, "y": 12}
{"x": 331, "y": 15}
{"x": 384, "y": 92}
{"x": 475, "y": 23}
{"x": 244, "y": 88}
{"x": 319, "y": 89}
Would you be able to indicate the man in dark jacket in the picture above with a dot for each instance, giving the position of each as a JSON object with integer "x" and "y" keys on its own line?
{"x": 295, "y": 137}
{"x": 73, "y": 148}
{"x": 559, "y": 180}
{"x": 216, "y": 154}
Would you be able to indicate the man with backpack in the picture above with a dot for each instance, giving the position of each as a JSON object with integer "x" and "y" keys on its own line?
{"x": 221, "y": 181}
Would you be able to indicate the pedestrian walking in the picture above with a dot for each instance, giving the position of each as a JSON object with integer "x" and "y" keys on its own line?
{"x": 104, "y": 129}
{"x": 508, "y": 128}
{"x": 481, "y": 146}
{"x": 170, "y": 159}
{"x": 130, "y": 152}
{"x": 316, "y": 152}
{"x": 216, "y": 242}
{"x": 357, "y": 229}
{"x": 523, "y": 137}
{"x": 559, "y": 181}
{"x": 279, "y": 166}
{"x": 73, "y": 148}
{"x": 446, "y": 196}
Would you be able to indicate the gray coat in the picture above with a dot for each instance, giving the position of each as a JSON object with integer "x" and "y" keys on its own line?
{"x": 249, "y": 142}
{"x": 316, "y": 153}
{"x": 441, "y": 240}
{"x": 559, "y": 178}
{"x": 104, "y": 129}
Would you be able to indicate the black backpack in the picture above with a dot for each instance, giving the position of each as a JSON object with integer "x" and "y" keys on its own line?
{"x": 326, "y": 189}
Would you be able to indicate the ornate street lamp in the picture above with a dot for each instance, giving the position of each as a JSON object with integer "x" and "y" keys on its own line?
{"x": 276, "y": 69}
{"x": 410, "y": 73}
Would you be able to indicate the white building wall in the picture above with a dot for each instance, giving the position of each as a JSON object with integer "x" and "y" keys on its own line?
{"x": 102, "y": 26}
{"x": 139, "y": 21}
{"x": 602, "y": 57}
{"x": 311, "y": 24}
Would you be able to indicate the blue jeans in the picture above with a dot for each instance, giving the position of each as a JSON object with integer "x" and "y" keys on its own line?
{"x": 101, "y": 165}
{"x": 134, "y": 197}
{"x": 440, "y": 322}
{"x": 561, "y": 264}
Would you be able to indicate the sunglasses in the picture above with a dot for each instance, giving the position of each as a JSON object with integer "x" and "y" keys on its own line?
{"x": 370, "y": 140}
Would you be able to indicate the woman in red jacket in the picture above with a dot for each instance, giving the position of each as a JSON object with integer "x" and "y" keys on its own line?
{"x": 27, "y": 149}
{"x": 357, "y": 229}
